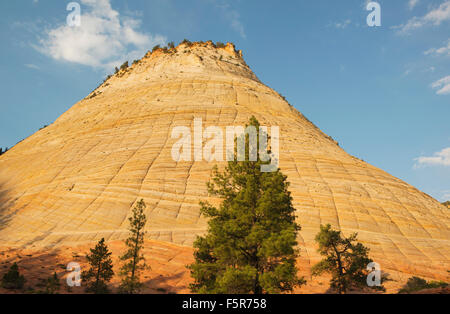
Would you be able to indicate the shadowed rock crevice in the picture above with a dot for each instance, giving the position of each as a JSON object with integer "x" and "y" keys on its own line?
{"x": 7, "y": 209}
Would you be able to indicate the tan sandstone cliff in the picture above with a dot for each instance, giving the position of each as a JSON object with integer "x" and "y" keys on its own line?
{"x": 76, "y": 180}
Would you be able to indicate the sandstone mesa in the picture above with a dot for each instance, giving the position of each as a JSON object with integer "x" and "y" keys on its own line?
{"x": 76, "y": 180}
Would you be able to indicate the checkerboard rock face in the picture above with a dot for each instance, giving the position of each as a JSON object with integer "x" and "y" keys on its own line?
{"x": 77, "y": 179}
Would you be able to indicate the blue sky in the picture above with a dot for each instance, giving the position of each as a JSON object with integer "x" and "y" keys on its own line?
{"x": 382, "y": 92}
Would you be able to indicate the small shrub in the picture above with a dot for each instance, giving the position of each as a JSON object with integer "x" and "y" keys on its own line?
{"x": 171, "y": 45}
{"x": 41, "y": 283}
{"x": 220, "y": 45}
{"x": 94, "y": 94}
{"x": 345, "y": 259}
{"x": 156, "y": 48}
{"x": 53, "y": 284}
{"x": 416, "y": 284}
{"x": 13, "y": 279}
{"x": 124, "y": 66}
{"x": 437, "y": 284}
{"x": 186, "y": 42}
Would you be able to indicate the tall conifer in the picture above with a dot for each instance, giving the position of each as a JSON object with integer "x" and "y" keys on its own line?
{"x": 250, "y": 246}
{"x": 134, "y": 261}
{"x": 101, "y": 270}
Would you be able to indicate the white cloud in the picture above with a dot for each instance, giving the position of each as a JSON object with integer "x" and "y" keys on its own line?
{"x": 412, "y": 4}
{"x": 233, "y": 18}
{"x": 343, "y": 25}
{"x": 103, "y": 40}
{"x": 446, "y": 195}
{"x": 32, "y": 66}
{"x": 441, "y": 158}
{"x": 442, "y": 86}
{"x": 439, "y": 51}
{"x": 365, "y": 3}
{"x": 434, "y": 17}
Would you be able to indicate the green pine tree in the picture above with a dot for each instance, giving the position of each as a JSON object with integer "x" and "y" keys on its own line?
{"x": 101, "y": 270}
{"x": 133, "y": 257}
{"x": 251, "y": 242}
{"x": 345, "y": 259}
{"x": 53, "y": 284}
{"x": 13, "y": 279}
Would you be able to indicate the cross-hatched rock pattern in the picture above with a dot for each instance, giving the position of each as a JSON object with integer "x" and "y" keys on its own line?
{"x": 77, "y": 179}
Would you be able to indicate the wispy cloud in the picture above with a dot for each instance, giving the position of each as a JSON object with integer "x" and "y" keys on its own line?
{"x": 233, "y": 18}
{"x": 441, "y": 158}
{"x": 407, "y": 72}
{"x": 32, "y": 66}
{"x": 412, "y": 4}
{"x": 445, "y": 50}
{"x": 103, "y": 40}
{"x": 365, "y": 3}
{"x": 434, "y": 17}
{"x": 343, "y": 24}
{"x": 442, "y": 86}
{"x": 446, "y": 195}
